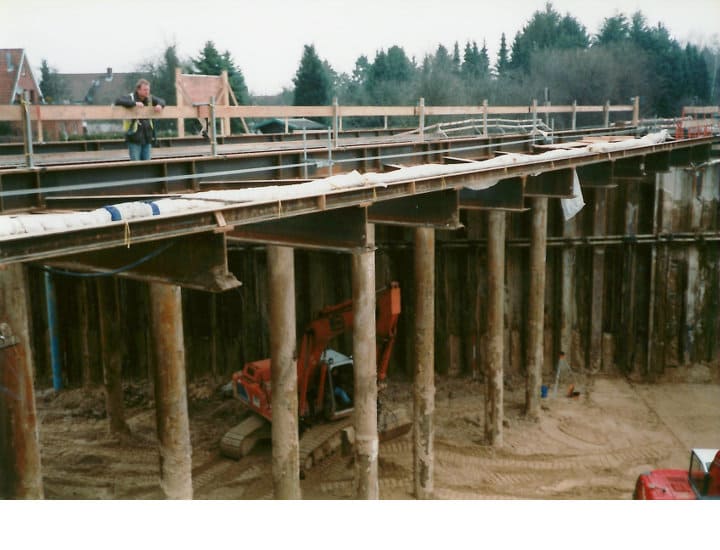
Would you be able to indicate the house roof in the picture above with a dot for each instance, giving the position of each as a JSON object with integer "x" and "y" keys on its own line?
{"x": 96, "y": 88}
{"x": 293, "y": 124}
{"x": 14, "y": 66}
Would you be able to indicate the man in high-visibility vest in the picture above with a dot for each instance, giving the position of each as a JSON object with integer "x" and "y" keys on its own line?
{"x": 140, "y": 132}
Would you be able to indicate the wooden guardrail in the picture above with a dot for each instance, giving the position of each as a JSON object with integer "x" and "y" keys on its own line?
{"x": 38, "y": 114}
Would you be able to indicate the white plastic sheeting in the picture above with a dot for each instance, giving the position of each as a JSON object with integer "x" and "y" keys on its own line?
{"x": 573, "y": 205}
{"x": 18, "y": 225}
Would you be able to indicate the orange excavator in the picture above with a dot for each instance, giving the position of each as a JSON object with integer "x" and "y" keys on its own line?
{"x": 325, "y": 376}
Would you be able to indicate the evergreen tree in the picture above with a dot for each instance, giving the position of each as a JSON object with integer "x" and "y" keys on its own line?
{"x": 456, "y": 58}
{"x": 162, "y": 75}
{"x": 503, "y": 61}
{"x": 353, "y": 92}
{"x": 440, "y": 82}
{"x": 546, "y": 30}
{"x": 476, "y": 64}
{"x": 390, "y": 78}
{"x": 614, "y": 30}
{"x": 666, "y": 60}
{"x": 484, "y": 58}
{"x": 312, "y": 83}
{"x": 52, "y": 88}
{"x": 469, "y": 68}
{"x": 236, "y": 79}
{"x": 695, "y": 75}
{"x": 212, "y": 62}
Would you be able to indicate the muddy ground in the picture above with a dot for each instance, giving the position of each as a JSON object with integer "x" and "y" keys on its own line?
{"x": 592, "y": 446}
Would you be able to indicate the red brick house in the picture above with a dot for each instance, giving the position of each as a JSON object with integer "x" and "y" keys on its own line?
{"x": 16, "y": 77}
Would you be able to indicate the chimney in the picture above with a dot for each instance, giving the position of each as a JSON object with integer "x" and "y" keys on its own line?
{"x": 108, "y": 74}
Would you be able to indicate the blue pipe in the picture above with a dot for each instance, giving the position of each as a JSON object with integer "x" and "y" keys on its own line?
{"x": 53, "y": 332}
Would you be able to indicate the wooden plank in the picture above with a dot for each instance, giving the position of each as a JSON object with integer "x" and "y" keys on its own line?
{"x": 108, "y": 112}
{"x": 605, "y": 139}
{"x": 701, "y": 110}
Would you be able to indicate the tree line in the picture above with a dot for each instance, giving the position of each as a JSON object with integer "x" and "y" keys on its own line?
{"x": 553, "y": 57}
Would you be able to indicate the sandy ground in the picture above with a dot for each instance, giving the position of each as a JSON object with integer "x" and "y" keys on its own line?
{"x": 589, "y": 447}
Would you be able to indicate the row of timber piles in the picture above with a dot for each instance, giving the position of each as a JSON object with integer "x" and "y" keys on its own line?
{"x": 631, "y": 284}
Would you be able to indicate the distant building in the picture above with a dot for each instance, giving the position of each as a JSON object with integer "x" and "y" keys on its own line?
{"x": 278, "y": 126}
{"x": 95, "y": 89}
{"x": 16, "y": 78}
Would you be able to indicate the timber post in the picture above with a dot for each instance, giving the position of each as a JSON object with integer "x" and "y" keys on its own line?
{"x": 573, "y": 125}
{"x": 173, "y": 423}
{"x": 365, "y": 370}
{"x": 536, "y": 306}
{"x": 111, "y": 335}
{"x": 424, "y": 376}
{"x": 485, "y": 117}
{"x": 496, "y": 314}
{"x": 636, "y": 111}
{"x": 180, "y": 101}
{"x": 606, "y": 114}
{"x": 284, "y": 426}
{"x": 20, "y": 466}
{"x": 225, "y": 100}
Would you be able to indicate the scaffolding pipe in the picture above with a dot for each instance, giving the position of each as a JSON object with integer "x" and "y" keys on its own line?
{"x": 283, "y": 373}
{"x": 536, "y": 307}
{"x": 20, "y": 468}
{"x": 496, "y": 314}
{"x": 173, "y": 424}
{"x": 424, "y": 376}
{"x": 598, "y": 283}
{"x": 51, "y": 307}
{"x": 365, "y": 360}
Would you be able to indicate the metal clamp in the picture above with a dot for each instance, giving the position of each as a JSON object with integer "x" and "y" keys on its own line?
{"x": 7, "y": 338}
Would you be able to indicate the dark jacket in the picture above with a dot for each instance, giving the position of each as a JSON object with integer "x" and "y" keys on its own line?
{"x": 140, "y": 130}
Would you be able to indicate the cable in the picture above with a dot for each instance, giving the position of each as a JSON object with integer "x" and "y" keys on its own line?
{"x": 122, "y": 269}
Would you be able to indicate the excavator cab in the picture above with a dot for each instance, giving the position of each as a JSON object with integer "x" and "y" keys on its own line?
{"x": 704, "y": 473}
{"x": 340, "y": 385}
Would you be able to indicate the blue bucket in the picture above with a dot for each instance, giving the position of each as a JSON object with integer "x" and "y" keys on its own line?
{"x": 543, "y": 391}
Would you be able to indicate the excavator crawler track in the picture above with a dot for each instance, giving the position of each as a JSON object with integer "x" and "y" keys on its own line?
{"x": 240, "y": 440}
{"x": 320, "y": 441}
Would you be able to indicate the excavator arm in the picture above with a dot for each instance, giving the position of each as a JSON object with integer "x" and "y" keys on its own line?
{"x": 333, "y": 321}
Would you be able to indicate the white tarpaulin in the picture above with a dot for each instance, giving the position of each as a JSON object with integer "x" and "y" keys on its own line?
{"x": 571, "y": 207}
{"x": 16, "y": 225}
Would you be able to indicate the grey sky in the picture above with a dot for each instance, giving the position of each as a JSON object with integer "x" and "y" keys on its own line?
{"x": 266, "y": 37}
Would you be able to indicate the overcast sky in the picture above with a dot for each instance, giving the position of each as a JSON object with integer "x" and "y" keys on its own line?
{"x": 266, "y": 37}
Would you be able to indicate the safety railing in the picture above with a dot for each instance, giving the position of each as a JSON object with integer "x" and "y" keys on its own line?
{"x": 39, "y": 115}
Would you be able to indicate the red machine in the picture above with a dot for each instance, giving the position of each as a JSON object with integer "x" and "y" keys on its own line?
{"x": 700, "y": 481}
{"x": 325, "y": 376}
